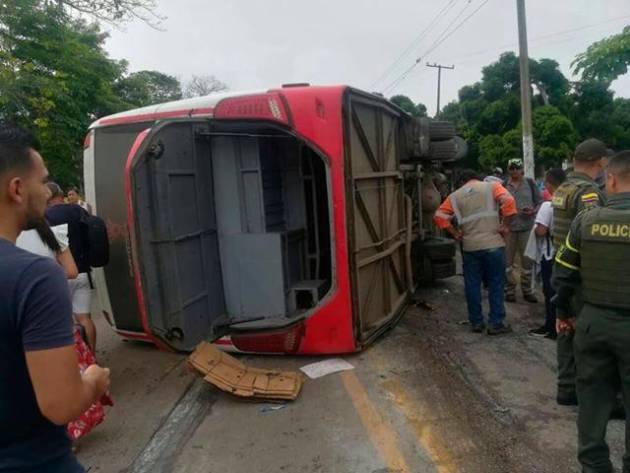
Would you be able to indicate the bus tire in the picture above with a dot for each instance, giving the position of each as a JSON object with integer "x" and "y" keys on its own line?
{"x": 442, "y": 150}
{"x": 439, "y": 248}
{"x": 443, "y": 269}
{"x": 440, "y": 131}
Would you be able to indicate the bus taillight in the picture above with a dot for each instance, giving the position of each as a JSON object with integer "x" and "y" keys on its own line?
{"x": 281, "y": 341}
{"x": 270, "y": 106}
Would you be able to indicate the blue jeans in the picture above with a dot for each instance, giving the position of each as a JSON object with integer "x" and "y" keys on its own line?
{"x": 487, "y": 265}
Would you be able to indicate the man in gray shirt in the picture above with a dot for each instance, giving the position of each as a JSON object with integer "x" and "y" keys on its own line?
{"x": 528, "y": 199}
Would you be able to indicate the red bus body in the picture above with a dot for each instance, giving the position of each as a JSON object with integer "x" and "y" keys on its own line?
{"x": 318, "y": 118}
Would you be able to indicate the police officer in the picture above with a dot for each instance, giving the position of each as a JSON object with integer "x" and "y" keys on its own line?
{"x": 578, "y": 192}
{"x": 594, "y": 261}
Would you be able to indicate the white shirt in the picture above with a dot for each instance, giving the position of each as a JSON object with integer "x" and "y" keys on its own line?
{"x": 29, "y": 240}
{"x": 545, "y": 217}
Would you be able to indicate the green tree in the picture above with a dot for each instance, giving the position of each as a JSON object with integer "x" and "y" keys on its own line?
{"x": 404, "y": 102}
{"x": 621, "y": 119}
{"x": 492, "y": 151}
{"x": 111, "y": 11}
{"x": 554, "y": 136}
{"x": 591, "y": 111}
{"x": 488, "y": 113}
{"x": 147, "y": 88}
{"x": 605, "y": 60}
{"x": 55, "y": 78}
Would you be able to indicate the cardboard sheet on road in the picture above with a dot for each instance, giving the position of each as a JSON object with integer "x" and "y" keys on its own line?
{"x": 234, "y": 377}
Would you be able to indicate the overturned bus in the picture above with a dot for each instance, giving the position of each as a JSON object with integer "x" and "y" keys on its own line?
{"x": 281, "y": 221}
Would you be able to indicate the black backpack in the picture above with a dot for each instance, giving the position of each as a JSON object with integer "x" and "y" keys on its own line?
{"x": 97, "y": 241}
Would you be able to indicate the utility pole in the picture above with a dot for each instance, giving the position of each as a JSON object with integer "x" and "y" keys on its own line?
{"x": 526, "y": 99}
{"x": 439, "y": 68}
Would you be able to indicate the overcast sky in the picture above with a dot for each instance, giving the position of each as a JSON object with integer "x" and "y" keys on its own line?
{"x": 254, "y": 43}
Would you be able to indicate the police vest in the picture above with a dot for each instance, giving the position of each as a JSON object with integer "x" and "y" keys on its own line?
{"x": 478, "y": 216}
{"x": 565, "y": 206}
{"x": 605, "y": 253}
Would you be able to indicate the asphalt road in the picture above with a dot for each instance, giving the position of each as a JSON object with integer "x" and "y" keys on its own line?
{"x": 429, "y": 396}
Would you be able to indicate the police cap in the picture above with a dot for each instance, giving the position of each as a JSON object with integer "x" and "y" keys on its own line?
{"x": 591, "y": 150}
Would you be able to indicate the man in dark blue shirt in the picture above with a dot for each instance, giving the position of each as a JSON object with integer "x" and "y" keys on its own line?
{"x": 41, "y": 389}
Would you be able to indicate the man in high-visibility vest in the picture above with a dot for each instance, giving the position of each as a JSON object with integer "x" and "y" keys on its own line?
{"x": 482, "y": 211}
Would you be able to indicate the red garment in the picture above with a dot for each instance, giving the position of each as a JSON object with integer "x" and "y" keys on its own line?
{"x": 546, "y": 195}
{"x": 96, "y": 413}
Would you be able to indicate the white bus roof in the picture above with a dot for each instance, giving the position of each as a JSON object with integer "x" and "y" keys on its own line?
{"x": 203, "y": 104}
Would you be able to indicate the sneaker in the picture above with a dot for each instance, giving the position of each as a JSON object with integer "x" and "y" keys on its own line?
{"x": 539, "y": 332}
{"x": 478, "y": 328}
{"x": 551, "y": 336}
{"x": 567, "y": 400}
{"x": 510, "y": 298}
{"x": 499, "y": 329}
{"x": 530, "y": 298}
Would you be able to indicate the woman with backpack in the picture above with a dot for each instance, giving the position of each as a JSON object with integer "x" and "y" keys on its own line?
{"x": 50, "y": 242}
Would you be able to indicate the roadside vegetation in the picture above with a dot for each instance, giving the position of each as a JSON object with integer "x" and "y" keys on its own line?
{"x": 488, "y": 113}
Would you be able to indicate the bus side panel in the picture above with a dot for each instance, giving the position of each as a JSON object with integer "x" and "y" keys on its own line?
{"x": 317, "y": 117}
{"x": 111, "y": 148}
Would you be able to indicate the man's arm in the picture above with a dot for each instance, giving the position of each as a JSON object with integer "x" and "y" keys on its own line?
{"x": 543, "y": 219}
{"x": 62, "y": 392}
{"x": 507, "y": 206}
{"x": 443, "y": 219}
{"x": 505, "y": 200}
{"x": 537, "y": 197}
{"x": 566, "y": 272}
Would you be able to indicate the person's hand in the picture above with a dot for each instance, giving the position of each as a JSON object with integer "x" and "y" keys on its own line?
{"x": 504, "y": 230}
{"x": 456, "y": 234}
{"x": 98, "y": 378}
{"x": 564, "y": 326}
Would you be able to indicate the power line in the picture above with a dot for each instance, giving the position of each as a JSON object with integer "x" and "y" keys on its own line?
{"x": 414, "y": 44}
{"x": 433, "y": 47}
{"x": 404, "y": 75}
{"x": 541, "y": 37}
{"x": 459, "y": 15}
{"x": 464, "y": 21}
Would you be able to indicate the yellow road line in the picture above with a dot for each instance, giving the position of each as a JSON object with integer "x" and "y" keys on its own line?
{"x": 418, "y": 415}
{"x": 430, "y": 440}
{"x": 383, "y": 438}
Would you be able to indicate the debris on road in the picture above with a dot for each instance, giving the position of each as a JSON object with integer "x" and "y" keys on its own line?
{"x": 230, "y": 375}
{"x": 323, "y": 368}
{"x": 425, "y": 305}
{"x": 272, "y": 408}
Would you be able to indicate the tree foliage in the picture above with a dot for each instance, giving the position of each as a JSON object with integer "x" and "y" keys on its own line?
{"x": 404, "y": 102}
{"x": 488, "y": 114}
{"x": 112, "y": 11}
{"x": 55, "y": 78}
{"x": 148, "y": 87}
{"x": 605, "y": 60}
